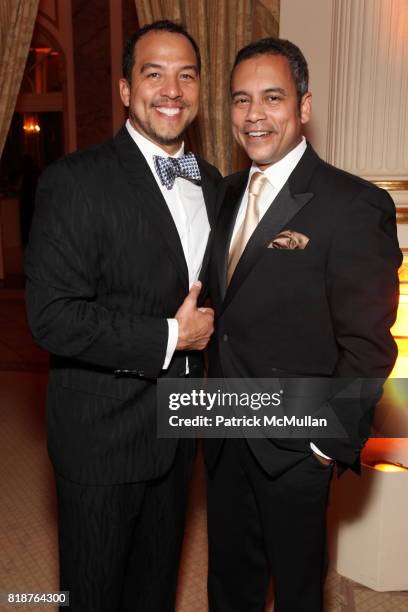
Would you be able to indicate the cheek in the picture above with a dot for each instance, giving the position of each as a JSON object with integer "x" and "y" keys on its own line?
{"x": 194, "y": 100}
{"x": 277, "y": 117}
{"x": 143, "y": 95}
{"x": 193, "y": 93}
{"x": 142, "y": 103}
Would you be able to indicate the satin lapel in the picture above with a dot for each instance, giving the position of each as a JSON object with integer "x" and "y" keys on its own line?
{"x": 148, "y": 196}
{"x": 282, "y": 210}
{"x": 209, "y": 193}
{"x": 225, "y": 226}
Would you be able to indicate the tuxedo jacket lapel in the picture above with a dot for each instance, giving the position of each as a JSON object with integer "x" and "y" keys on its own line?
{"x": 289, "y": 201}
{"x": 225, "y": 227}
{"x": 209, "y": 193}
{"x": 148, "y": 195}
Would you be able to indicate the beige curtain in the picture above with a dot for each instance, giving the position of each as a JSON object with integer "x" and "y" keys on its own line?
{"x": 17, "y": 19}
{"x": 220, "y": 27}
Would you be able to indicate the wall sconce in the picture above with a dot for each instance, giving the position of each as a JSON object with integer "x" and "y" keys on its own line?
{"x": 31, "y": 125}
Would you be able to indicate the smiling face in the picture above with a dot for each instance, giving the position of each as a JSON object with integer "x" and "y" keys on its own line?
{"x": 164, "y": 90}
{"x": 266, "y": 115}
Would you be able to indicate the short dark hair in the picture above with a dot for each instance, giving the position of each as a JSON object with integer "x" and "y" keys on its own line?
{"x": 279, "y": 46}
{"x": 157, "y": 26}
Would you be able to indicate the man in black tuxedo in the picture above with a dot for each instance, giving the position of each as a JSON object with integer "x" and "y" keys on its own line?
{"x": 120, "y": 235}
{"x": 303, "y": 280}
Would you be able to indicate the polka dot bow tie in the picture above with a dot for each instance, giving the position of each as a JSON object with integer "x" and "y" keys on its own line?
{"x": 169, "y": 168}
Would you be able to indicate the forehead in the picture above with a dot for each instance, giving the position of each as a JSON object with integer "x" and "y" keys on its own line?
{"x": 262, "y": 72}
{"x": 164, "y": 47}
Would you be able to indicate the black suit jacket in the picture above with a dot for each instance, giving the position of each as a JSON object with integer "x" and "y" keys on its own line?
{"x": 105, "y": 268}
{"x": 324, "y": 311}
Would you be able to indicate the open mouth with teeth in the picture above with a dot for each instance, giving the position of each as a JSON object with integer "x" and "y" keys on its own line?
{"x": 169, "y": 111}
{"x": 258, "y": 134}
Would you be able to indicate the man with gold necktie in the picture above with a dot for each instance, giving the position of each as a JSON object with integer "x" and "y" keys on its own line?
{"x": 303, "y": 280}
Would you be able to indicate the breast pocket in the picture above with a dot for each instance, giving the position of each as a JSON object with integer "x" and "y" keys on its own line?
{"x": 292, "y": 259}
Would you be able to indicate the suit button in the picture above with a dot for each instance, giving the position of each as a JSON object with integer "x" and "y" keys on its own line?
{"x": 225, "y": 337}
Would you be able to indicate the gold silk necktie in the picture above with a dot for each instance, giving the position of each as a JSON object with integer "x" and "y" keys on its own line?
{"x": 251, "y": 220}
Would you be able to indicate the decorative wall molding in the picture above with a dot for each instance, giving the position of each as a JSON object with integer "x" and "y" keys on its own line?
{"x": 368, "y": 126}
{"x": 33, "y": 103}
{"x": 357, "y": 52}
{"x": 48, "y": 9}
{"x": 402, "y": 215}
{"x": 55, "y": 19}
{"x": 116, "y": 47}
{"x": 392, "y": 185}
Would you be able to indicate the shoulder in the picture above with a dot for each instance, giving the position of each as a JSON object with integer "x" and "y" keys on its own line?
{"x": 235, "y": 178}
{"x": 348, "y": 191}
{"x": 235, "y": 181}
{"x": 77, "y": 182}
{"x": 358, "y": 209}
{"x": 209, "y": 170}
{"x": 82, "y": 165}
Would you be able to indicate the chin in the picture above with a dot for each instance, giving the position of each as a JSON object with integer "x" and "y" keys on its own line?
{"x": 170, "y": 139}
{"x": 261, "y": 161}
{"x": 166, "y": 137}
{"x": 259, "y": 155}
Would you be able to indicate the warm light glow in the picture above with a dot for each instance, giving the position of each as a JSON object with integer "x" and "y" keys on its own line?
{"x": 44, "y": 50}
{"x": 390, "y": 467}
{"x": 30, "y": 125}
{"x": 400, "y": 328}
{"x": 41, "y": 49}
{"x": 401, "y": 366}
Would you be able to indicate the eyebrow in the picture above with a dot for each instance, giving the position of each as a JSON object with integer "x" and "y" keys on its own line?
{"x": 269, "y": 90}
{"x": 190, "y": 67}
{"x": 149, "y": 65}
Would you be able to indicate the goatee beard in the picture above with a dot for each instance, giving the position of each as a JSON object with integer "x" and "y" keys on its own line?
{"x": 153, "y": 135}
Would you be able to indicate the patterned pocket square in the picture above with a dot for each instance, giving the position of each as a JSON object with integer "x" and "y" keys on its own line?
{"x": 289, "y": 240}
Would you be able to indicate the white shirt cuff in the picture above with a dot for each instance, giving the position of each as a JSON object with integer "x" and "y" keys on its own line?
{"x": 171, "y": 341}
{"x": 318, "y": 452}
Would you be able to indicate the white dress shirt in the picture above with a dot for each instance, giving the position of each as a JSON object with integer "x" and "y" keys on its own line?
{"x": 187, "y": 207}
{"x": 277, "y": 175}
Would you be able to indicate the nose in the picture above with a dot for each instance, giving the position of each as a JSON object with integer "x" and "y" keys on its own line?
{"x": 171, "y": 87}
{"x": 256, "y": 111}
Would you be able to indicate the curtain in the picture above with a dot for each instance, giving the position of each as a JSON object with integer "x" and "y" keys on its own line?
{"x": 221, "y": 28}
{"x": 17, "y": 19}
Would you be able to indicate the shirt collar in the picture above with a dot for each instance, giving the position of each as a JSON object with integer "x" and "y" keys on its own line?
{"x": 149, "y": 148}
{"x": 277, "y": 174}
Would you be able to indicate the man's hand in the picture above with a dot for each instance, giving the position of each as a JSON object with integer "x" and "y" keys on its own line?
{"x": 195, "y": 324}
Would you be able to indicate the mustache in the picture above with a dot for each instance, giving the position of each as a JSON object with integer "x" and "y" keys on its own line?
{"x": 259, "y": 128}
{"x": 165, "y": 101}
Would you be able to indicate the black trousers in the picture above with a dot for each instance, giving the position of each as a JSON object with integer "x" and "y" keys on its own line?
{"x": 259, "y": 526}
{"x": 120, "y": 545}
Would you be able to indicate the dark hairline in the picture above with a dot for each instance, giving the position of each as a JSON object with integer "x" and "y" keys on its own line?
{"x": 170, "y": 27}
{"x": 279, "y": 47}
{"x": 260, "y": 54}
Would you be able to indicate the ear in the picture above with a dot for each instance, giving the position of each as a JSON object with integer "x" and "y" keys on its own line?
{"x": 306, "y": 107}
{"x": 124, "y": 91}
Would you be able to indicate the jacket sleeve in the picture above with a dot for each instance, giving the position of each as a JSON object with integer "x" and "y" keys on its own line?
{"x": 362, "y": 289}
{"x": 63, "y": 265}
